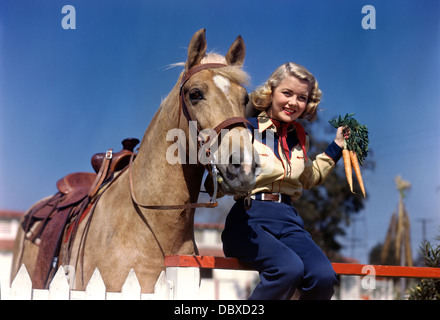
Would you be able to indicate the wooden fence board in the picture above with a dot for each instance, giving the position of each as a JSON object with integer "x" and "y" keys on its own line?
{"x": 181, "y": 280}
{"x": 59, "y": 288}
{"x": 210, "y": 262}
{"x": 95, "y": 289}
{"x": 21, "y": 287}
{"x": 131, "y": 289}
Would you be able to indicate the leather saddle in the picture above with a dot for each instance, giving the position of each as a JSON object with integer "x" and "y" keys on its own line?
{"x": 119, "y": 160}
{"x": 76, "y": 192}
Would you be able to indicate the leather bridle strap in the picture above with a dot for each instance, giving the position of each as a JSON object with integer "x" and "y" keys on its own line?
{"x": 230, "y": 122}
{"x": 197, "y": 69}
{"x": 223, "y": 125}
{"x": 207, "y": 204}
{"x": 186, "y": 76}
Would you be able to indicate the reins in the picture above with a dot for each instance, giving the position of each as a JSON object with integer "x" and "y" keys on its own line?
{"x": 211, "y": 166}
{"x": 209, "y": 204}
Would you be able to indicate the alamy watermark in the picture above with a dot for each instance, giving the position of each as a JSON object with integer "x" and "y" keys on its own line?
{"x": 369, "y": 20}
{"x": 205, "y": 146}
{"x": 369, "y": 280}
{"x": 69, "y": 19}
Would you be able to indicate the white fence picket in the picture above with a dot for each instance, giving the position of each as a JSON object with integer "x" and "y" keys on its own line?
{"x": 131, "y": 289}
{"x": 95, "y": 289}
{"x": 163, "y": 288}
{"x": 21, "y": 287}
{"x": 59, "y": 289}
{"x": 186, "y": 282}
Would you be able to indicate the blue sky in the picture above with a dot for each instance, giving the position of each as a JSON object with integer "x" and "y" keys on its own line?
{"x": 66, "y": 94}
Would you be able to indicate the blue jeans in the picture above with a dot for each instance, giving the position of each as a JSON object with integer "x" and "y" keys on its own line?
{"x": 271, "y": 238}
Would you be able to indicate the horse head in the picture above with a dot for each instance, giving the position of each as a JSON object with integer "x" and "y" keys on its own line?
{"x": 212, "y": 94}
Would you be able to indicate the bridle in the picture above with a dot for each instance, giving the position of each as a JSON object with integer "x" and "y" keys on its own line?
{"x": 230, "y": 122}
{"x": 211, "y": 164}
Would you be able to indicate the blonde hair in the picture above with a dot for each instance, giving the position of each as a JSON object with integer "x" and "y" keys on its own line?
{"x": 261, "y": 98}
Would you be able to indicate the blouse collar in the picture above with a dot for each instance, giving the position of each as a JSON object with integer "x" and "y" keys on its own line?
{"x": 265, "y": 122}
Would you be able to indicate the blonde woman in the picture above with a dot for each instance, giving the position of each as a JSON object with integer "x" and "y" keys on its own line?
{"x": 267, "y": 231}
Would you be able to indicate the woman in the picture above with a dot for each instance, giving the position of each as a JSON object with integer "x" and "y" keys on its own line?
{"x": 266, "y": 231}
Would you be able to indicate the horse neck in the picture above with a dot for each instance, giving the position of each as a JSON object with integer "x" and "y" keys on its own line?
{"x": 182, "y": 182}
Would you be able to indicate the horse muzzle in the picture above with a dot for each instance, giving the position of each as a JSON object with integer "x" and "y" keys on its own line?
{"x": 231, "y": 157}
{"x": 238, "y": 175}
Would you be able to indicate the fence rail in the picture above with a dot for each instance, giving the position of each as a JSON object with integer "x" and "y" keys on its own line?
{"x": 59, "y": 289}
{"x": 180, "y": 280}
{"x": 210, "y": 262}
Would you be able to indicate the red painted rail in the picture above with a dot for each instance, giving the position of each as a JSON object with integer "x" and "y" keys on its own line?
{"x": 210, "y": 262}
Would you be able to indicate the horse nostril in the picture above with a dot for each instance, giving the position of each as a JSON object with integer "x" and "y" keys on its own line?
{"x": 233, "y": 170}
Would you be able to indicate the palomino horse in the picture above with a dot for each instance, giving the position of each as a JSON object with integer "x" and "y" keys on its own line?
{"x": 122, "y": 233}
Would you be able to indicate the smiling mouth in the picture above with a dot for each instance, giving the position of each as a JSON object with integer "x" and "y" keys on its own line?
{"x": 289, "y": 111}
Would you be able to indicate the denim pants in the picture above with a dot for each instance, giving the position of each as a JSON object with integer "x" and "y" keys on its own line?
{"x": 271, "y": 238}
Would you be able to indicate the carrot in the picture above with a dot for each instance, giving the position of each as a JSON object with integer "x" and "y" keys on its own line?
{"x": 357, "y": 142}
{"x": 357, "y": 170}
{"x": 347, "y": 166}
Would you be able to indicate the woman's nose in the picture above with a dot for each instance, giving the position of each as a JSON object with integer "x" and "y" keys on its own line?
{"x": 293, "y": 101}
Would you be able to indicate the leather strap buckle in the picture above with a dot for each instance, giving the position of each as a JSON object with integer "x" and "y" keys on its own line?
{"x": 270, "y": 197}
{"x": 264, "y": 196}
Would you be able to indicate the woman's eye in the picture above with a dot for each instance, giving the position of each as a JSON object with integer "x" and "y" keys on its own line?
{"x": 195, "y": 95}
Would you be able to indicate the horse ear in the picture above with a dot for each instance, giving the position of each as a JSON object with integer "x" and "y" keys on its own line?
{"x": 236, "y": 53}
{"x": 196, "y": 49}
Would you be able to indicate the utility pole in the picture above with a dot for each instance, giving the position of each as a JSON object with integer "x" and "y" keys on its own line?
{"x": 423, "y": 221}
{"x": 398, "y": 234}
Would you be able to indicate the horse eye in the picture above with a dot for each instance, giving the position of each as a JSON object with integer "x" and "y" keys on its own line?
{"x": 195, "y": 95}
{"x": 246, "y": 99}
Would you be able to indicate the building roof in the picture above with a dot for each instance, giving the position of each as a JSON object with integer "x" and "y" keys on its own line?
{"x": 215, "y": 226}
{"x": 11, "y": 214}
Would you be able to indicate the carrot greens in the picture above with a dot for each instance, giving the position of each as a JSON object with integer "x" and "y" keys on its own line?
{"x": 356, "y": 144}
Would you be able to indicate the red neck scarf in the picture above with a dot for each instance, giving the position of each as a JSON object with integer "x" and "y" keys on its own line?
{"x": 283, "y": 128}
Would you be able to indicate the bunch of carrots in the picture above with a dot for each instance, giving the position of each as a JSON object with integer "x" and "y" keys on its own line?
{"x": 355, "y": 148}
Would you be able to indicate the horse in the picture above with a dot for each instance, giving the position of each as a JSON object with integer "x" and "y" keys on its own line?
{"x": 148, "y": 211}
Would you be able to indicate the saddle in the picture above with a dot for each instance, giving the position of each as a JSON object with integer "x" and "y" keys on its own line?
{"x": 65, "y": 209}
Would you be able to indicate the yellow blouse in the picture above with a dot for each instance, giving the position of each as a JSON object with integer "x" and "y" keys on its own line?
{"x": 278, "y": 174}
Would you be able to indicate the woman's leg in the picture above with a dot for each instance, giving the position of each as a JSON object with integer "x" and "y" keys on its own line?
{"x": 319, "y": 277}
{"x": 250, "y": 240}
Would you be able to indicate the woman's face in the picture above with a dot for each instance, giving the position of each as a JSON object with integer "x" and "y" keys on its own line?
{"x": 289, "y": 99}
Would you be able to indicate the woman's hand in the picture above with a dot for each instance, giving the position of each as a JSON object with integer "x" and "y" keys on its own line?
{"x": 341, "y": 134}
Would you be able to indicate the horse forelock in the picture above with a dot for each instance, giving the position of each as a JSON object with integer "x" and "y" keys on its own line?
{"x": 233, "y": 73}
{"x": 213, "y": 57}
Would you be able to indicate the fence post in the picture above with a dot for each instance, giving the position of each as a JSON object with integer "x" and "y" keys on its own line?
{"x": 95, "y": 289}
{"x": 21, "y": 287}
{"x": 162, "y": 288}
{"x": 185, "y": 281}
{"x": 131, "y": 289}
{"x": 59, "y": 288}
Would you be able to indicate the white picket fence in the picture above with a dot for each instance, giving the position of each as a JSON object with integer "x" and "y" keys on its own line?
{"x": 174, "y": 283}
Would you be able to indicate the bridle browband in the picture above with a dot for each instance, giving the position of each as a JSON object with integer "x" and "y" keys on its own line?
{"x": 182, "y": 105}
{"x": 211, "y": 166}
